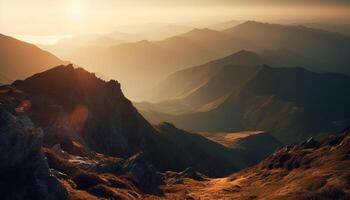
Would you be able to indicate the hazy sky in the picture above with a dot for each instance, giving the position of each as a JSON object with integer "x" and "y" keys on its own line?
{"x": 59, "y": 17}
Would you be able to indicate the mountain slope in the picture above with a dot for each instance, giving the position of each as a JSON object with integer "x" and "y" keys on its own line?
{"x": 20, "y": 60}
{"x": 184, "y": 82}
{"x": 326, "y": 47}
{"x": 73, "y": 106}
{"x": 151, "y": 61}
{"x": 311, "y": 170}
{"x": 281, "y": 101}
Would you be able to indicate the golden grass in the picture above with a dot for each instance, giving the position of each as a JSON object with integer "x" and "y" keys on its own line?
{"x": 228, "y": 139}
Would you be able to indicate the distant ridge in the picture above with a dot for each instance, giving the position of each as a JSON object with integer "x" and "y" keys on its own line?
{"x": 180, "y": 83}
{"x": 257, "y": 97}
{"x": 19, "y": 59}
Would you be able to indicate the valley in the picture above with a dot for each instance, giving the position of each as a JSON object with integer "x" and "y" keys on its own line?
{"x": 193, "y": 106}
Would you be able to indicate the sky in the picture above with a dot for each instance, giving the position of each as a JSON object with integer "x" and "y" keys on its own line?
{"x": 62, "y": 18}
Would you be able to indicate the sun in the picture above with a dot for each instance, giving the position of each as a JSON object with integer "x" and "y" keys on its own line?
{"x": 74, "y": 12}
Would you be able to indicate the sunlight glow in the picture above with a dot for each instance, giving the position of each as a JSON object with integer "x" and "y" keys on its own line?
{"x": 74, "y": 11}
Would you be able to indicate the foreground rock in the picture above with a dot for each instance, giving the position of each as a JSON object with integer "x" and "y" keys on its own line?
{"x": 24, "y": 171}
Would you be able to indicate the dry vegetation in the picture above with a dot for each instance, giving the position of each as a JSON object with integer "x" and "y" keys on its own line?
{"x": 309, "y": 171}
{"x": 82, "y": 184}
{"x": 228, "y": 139}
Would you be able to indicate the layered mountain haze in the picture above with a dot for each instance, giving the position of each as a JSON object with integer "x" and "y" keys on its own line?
{"x": 180, "y": 84}
{"x": 236, "y": 96}
{"x": 132, "y": 60}
{"x": 328, "y": 48}
{"x": 285, "y": 45}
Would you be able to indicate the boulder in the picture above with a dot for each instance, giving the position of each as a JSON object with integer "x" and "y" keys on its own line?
{"x": 24, "y": 170}
{"x": 144, "y": 174}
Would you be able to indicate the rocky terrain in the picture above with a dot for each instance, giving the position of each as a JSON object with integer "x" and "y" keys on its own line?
{"x": 310, "y": 170}
{"x": 25, "y": 173}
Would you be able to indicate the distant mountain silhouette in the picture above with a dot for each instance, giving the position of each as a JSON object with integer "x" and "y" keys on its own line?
{"x": 328, "y": 48}
{"x": 180, "y": 84}
{"x": 154, "y": 31}
{"x": 19, "y": 60}
{"x": 339, "y": 27}
{"x": 224, "y": 25}
{"x": 151, "y": 61}
{"x": 229, "y": 97}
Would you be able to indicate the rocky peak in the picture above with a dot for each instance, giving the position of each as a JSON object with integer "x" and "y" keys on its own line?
{"x": 72, "y": 104}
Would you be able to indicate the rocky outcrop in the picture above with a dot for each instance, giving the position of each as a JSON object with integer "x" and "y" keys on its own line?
{"x": 24, "y": 172}
{"x": 191, "y": 173}
{"x": 71, "y": 104}
{"x": 145, "y": 175}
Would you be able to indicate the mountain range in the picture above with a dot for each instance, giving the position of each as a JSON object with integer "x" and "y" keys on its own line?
{"x": 240, "y": 92}
{"x": 288, "y": 46}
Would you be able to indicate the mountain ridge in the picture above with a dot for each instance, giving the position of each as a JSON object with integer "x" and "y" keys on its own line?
{"x": 239, "y": 98}
{"x": 21, "y": 59}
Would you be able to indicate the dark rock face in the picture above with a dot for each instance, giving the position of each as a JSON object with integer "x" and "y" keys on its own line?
{"x": 24, "y": 172}
{"x": 74, "y": 105}
{"x": 145, "y": 175}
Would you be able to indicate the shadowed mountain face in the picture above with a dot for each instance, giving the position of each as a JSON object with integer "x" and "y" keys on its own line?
{"x": 290, "y": 103}
{"x": 24, "y": 170}
{"x": 79, "y": 105}
{"x": 72, "y": 105}
{"x": 20, "y": 60}
{"x": 182, "y": 83}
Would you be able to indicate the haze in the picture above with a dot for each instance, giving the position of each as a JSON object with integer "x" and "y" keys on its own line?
{"x": 41, "y": 21}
